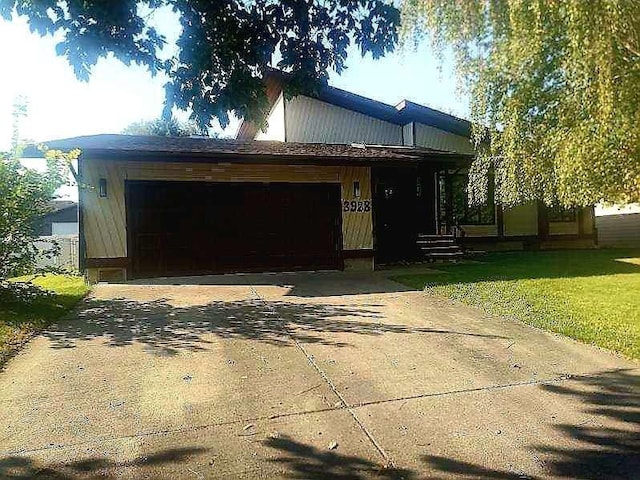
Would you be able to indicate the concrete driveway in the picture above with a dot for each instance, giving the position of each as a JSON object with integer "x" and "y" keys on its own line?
{"x": 308, "y": 376}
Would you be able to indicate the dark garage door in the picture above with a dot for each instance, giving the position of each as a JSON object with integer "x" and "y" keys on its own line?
{"x": 191, "y": 228}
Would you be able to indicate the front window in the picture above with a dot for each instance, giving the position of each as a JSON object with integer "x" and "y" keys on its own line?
{"x": 463, "y": 213}
{"x": 561, "y": 214}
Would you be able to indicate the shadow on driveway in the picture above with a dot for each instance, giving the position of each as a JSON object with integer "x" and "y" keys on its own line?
{"x": 168, "y": 329}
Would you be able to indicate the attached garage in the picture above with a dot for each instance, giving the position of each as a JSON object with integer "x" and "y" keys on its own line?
{"x": 194, "y": 228}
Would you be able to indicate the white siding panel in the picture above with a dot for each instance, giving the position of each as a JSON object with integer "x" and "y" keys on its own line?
{"x": 431, "y": 137}
{"x": 275, "y": 123}
{"x": 407, "y": 134}
{"x": 619, "y": 230}
{"x": 313, "y": 121}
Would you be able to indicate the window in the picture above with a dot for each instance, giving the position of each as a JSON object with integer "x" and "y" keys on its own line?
{"x": 561, "y": 214}
{"x": 463, "y": 213}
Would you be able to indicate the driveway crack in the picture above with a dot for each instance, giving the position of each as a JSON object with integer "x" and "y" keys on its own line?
{"x": 389, "y": 463}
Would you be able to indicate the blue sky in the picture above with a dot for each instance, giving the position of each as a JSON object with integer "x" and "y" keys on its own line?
{"x": 60, "y": 106}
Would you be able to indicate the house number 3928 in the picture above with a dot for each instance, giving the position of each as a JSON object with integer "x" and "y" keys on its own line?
{"x": 356, "y": 205}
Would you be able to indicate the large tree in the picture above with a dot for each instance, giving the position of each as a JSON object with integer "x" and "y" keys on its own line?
{"x": 163, "y": 127}
{"x": 225, "y": 46}
{"x": 554, "y": 89}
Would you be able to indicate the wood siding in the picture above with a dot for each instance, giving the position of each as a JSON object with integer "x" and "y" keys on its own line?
{"x": 431, "y": 137}
{"x": 313, "y": 121}
{"x": 619, "y": 230}
{"x": 104, "y": 219}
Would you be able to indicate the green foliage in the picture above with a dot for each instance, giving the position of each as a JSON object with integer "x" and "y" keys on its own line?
{"x": 28, "y": 305}
{"x": 163, "y": 127}
{"x": 558, "y": 86}
{"x": 589, "y": 295}
{"x": 25, "y": 195}
{"x": 225, "y": 47}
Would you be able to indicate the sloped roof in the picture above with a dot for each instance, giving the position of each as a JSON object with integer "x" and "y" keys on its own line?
{"x": 401, "y": 114}
{"x": 210, "y": 149}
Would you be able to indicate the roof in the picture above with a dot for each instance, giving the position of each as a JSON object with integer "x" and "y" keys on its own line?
{"x": 58, "y": 205}
{"x": 403, "y": 113}
{"x": 134, "y": 147}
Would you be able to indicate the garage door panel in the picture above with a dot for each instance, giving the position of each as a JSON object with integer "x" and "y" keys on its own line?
{"x": 180, "y": 228}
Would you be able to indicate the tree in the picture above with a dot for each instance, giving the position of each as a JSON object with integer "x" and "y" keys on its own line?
{"x": 554, "y": 89}
{"x": 225, "y": 47}
{"x": 163, "y": 127}
{"x": 25, "y": 195}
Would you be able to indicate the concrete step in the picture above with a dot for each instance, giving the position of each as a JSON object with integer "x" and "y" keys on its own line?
{"x": 439, "y": 248}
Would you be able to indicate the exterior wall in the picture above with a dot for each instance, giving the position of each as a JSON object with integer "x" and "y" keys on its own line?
{"x": 313, "y": 121}
{"x": 64, "y": 228}
{"x": 431, "y": 137}
{"x": 480, "y": 230}
{"x": 619, "y": 230}
{"x": 104, "y": 219}
{"x": 275, "y": 123}
{"x": 521, "y": 220}
{"x": 407, "y": 135}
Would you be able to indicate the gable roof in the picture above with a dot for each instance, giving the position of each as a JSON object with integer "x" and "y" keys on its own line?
{"x": 401, "y": 114}
{"x": 139, "y": 147}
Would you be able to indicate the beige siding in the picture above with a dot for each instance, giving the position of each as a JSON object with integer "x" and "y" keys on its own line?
{"x": 564, "y": 228}
{"x": 619, "y": 230}
{"x": 314, "y": 121}
{"x": 275, "y": 123}
{"x": 431, "y": 137}
{"x": 104, "y": 219}
{"x": 480, "y": 230}
{"x": 521, "y": 220}
{"x": 357, "y": 227}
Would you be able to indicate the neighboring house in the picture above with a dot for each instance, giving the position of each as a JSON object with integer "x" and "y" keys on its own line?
{"x": 337, "y": 181}
{"x": 618, "y": 226}
{"x": 62, "y": 220}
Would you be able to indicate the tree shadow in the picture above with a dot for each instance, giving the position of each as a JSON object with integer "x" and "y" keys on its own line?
{"x": 605, "y": 446}
{"x": 306, "y": 461}
{"x": 298, "y": 284}
{"x": 457, "y": 468}
{"x": 168, "y": 329}
{"x": 611, "y": 451}
{"x": 18, "y": 468}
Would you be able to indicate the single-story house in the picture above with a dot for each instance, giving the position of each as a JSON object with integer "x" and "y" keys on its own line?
{"x": 336, "y": 181}
{"x": 62, "y": 220}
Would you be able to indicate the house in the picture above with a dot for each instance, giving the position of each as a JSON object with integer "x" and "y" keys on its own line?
{"x": 336, "y": 181}
{"x": 618, "y": 225}
{"x": 62, "y": 220}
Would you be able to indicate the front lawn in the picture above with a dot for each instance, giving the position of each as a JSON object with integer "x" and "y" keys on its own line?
{"x": 590, "y": 295}
{"x": 28, "y": 312}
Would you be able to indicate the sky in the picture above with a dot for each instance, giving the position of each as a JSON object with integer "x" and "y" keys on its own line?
{"x": 60, "y": 106}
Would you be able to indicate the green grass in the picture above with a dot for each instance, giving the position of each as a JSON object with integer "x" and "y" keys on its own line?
{"x": 590, "y": 295}
{"x": 21, "y": 319}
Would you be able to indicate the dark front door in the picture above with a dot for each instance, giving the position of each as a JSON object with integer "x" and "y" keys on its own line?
{"x": 396, "y": 213}
{"x": 191, "y": 228}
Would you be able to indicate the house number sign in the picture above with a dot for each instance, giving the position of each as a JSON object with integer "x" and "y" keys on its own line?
{"x": 356, "y": 206}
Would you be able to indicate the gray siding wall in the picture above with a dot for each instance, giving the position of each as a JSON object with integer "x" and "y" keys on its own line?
{"x": 619, "y": 230}
{"x": 314, "y": 121}
{"x": 431, "y": 137}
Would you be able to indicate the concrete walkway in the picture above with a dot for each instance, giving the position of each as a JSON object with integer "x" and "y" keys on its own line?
{"x": 310, "y": 376}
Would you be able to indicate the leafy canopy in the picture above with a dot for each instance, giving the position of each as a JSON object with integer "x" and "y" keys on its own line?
{"x": 162, "y": 127}
{"x": 557, "y": 85}
{"x": 225, "y": 46}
